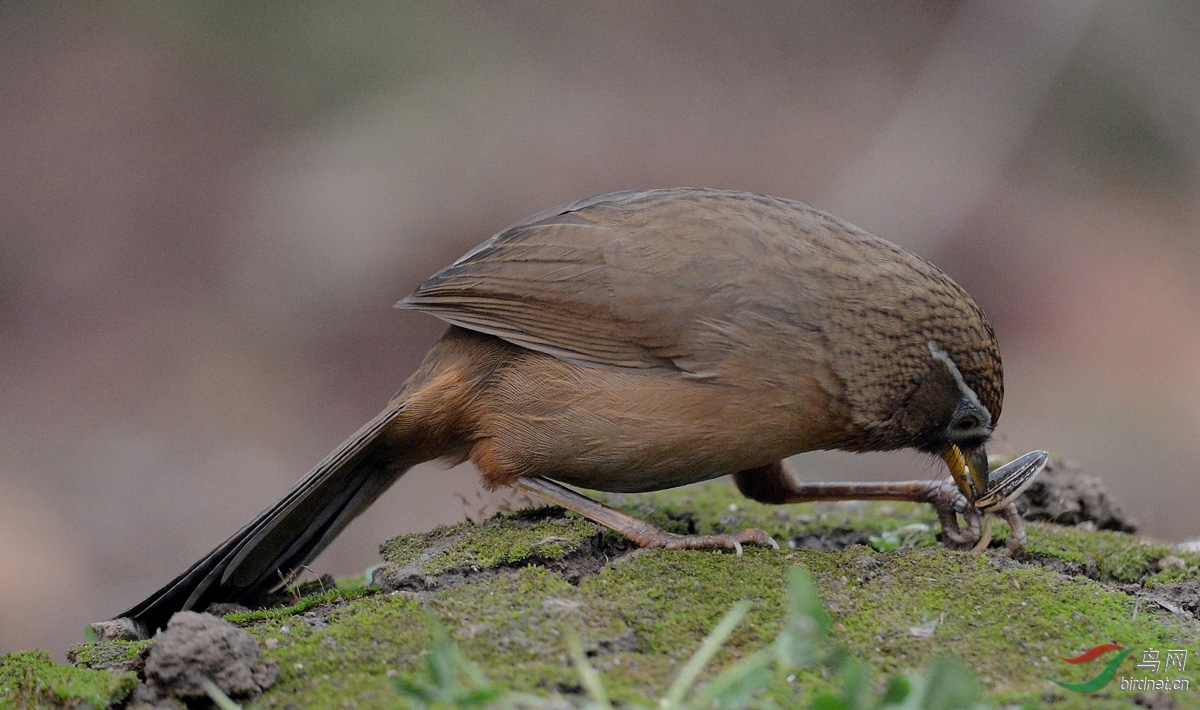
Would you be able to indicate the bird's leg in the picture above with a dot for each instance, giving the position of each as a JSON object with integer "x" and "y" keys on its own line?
{"x": 772, "y": 484}
{"x": 1016, "y": 536}
{"x": 639, "y": 531}
{"x": 1005, "y": 485}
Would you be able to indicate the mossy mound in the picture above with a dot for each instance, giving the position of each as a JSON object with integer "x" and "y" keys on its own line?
{"x": 512, "y": 591}
{"x": 30, "y": 679}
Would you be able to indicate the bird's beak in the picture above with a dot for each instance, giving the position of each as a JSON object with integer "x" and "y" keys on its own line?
{"x": 970, "y": 471}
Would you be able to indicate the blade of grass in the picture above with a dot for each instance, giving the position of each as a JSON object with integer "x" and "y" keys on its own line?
{"x": 735, "y": 687}
{"x": 712, "y": 643}
{"x": 219, "y": 698}
{"x": 587, "y": 675}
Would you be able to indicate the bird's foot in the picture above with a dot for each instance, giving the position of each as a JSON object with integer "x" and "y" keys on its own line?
{"x": 1016, "y": 535}
{"x": 950, "y": 503}
{"x": 657, "y": 537}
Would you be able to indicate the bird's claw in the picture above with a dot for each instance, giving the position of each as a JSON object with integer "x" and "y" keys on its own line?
{"x": 950, "y": 503}
{"x": 754, "y": 536}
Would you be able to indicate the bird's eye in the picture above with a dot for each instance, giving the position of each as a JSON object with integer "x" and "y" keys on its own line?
{"x": 967, "y": 424}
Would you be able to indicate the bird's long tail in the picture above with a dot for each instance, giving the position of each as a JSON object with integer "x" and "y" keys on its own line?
{"x": 431, "y": 417}
{"x": 290, "y": 533}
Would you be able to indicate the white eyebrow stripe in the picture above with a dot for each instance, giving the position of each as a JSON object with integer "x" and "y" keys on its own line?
{"x": 939, "y": 354}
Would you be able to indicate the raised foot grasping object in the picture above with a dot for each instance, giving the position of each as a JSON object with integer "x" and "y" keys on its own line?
{"x": 1005, "y": 485}
{"x": 642, "y": 340}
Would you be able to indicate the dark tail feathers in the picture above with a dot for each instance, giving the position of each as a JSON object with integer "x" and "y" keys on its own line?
{"x": 287, "y": 535}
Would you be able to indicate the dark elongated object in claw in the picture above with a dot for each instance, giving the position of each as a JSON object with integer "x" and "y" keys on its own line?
{"x": 641, "y": 340}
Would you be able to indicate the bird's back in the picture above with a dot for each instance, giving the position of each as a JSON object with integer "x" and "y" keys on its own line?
{"x": 744, "y": 296}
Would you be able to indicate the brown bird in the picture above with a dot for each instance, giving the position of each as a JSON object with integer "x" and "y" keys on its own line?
{"x": 640, "y": 340}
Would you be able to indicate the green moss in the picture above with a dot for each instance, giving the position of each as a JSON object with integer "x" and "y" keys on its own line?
{"x": 640, "y": 616}
{"x": 516, "y": 626}
{"x": 671, "y": 600}
{"x": 342, "y": 651}
{"x": 502, "y": 541}
{"x": 1010, "y": 624}
{"x": 717, "y": 507}
{"x": 33, "y": 679}
{"x": 104, "y": 653}
{"x": 1175, "y": 573}
{"x": 301, "y": 606}
{"x": 1112, "y": 556}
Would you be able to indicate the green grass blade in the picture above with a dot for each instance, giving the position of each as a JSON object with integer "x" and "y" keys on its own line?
{"x": 588, "y": 676}
{"x": 691, "y": 670}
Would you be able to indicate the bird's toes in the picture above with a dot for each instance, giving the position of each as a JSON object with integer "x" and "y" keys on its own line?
{"x": 956, "y": 539}
{"x": 723, "y": 541}
{"x": 754, "y": 536}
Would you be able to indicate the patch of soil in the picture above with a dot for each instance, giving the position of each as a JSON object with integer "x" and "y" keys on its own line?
{"x": 1063, "y": 495}
{"x": 1066, "y": 568}
{"x": 1155, "y": 701}
{"x": 831, "y": 540}
{"x": 105, "y": 656}
{"x": 195, "y": 648}
{"x": 1184, "y": 597}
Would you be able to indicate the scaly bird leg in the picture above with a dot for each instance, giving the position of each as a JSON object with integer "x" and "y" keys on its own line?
{"x": 641, "y": 532}
{"x": 1016, "y": 538}
{"x": 945, "y": 498}
{"x": 774, "y": 485}
{"x": 1005, "y": 485}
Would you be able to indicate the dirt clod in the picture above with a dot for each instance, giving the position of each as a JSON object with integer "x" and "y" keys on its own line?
{"x": 1063, "y": 495}
{"x": 197, "y": 647}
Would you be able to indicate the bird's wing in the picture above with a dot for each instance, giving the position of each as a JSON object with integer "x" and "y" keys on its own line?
{"x": 627, "y": 279}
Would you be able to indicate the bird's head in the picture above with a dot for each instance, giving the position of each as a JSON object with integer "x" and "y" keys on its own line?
{"x": 960, "y": 408}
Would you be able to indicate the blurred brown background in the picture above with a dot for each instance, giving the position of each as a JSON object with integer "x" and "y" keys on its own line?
{"x": 208, "y": 209}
